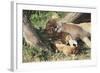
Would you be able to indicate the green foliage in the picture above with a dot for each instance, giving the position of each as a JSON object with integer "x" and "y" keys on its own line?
{"x": 39, "y": 18}
{"x": 34, "y": 54}
{"x": 31, "y": 54}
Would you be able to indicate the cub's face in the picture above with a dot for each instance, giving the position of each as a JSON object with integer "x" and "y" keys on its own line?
{"x": 67, "y": 49}
{"x": 50, "y": 28}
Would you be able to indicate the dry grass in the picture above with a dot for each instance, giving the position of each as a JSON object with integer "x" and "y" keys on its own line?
{"x": 38, "y": 55}
{"x": 33, "y": 54}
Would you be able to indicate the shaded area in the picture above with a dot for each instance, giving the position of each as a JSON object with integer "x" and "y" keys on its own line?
{"x": 42, "y": 47}
{"x": 84, "y": 17}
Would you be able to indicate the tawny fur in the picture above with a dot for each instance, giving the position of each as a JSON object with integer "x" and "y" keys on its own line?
{"x": 66, "y": 49}
{"x": 69, "y": 48}
{"x": 77, "y": 32}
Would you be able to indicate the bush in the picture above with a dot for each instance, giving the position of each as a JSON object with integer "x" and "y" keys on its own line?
{"x": 34, "y": 54}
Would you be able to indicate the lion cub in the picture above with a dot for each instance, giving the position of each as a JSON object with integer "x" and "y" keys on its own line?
{"x": 70, "y": 48}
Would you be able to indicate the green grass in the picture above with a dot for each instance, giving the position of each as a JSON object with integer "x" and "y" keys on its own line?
{"x": 33, "y": 54}
{"x": 40, "y": 18}
{"x": 37, "y": 55}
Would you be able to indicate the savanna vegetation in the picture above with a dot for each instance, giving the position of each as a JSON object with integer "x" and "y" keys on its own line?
{"x": 38, "y": 20}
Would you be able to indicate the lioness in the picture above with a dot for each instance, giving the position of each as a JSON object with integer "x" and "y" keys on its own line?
{"x": 75, "y": 31}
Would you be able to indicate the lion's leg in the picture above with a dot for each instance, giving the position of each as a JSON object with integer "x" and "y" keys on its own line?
{"x": 87, "y": 41}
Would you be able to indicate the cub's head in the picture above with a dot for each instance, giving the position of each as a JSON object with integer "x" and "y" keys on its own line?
{"x": 50, "y": 27}
{"x": 71, "y": 46}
